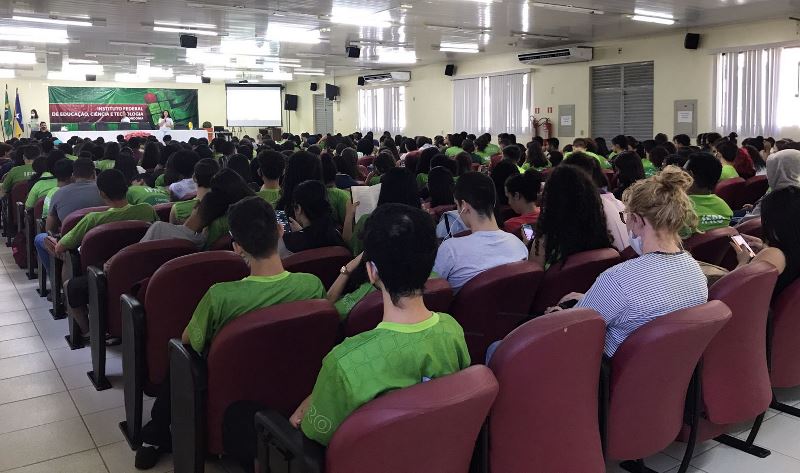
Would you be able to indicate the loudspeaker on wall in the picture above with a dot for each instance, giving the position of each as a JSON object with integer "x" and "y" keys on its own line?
{"x": 450, "y": 70}
{"x": 188, "y": 41}
{"x": 692, "y": 41}
{"x": 353, "y": 52}
{"x": 314, "y": 86}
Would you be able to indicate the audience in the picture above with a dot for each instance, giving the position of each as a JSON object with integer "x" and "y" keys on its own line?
{"x": 629, "y": 170}
{"x": 522, "y": 192}
{"x": 204, "y": 171}
{"x": 712, "y": 212}
{"x": 313, "y": 225}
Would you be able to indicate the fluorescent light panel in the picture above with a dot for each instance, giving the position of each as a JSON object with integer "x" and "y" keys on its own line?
{"x": 653, "y": 19}
{"x": 7, "y": 73}
{"x": 291, "y": 34}
{"x": 360, "y": 17}
{"x": 459, "y": 47}
{"x": 568, "y": 8}
{"x": 25, "y": 34}
{"x": 17, "y": 57}
{"x": 169, "y": 29}
{"x": 185, "y": 25}
{"x": 52, "y": 21}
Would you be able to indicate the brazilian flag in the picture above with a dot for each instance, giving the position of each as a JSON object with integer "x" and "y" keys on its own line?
{"x": 7, "y": 116}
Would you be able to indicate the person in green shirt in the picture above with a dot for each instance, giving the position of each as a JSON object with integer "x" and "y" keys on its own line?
{"x": 138, "y": 191}
{"x": 338, "y": 198}
{"x": 725, "y": 151}
{"x": 485, "y": 148}
{"x": 47, "y": 181}
{"x": 204, "y": 171}
{"x": 110, "y": 155}
{"x": 411, "y": 345}
{"x": 270, "y": 168}
{"x": 454, "y": 142}
{"x": 23, "y": 171}
{"x": 255, "y": 233}
{"x": 712, "y": 212}
{"x": 62, "y": 171}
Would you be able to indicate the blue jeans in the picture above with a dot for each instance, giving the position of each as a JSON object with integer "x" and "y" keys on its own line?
{"x": 44, "y": 256}
{"x": 490, "y": 351}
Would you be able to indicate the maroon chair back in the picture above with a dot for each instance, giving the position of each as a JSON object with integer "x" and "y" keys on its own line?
{"x": 628, "y": 254}
{"x": 368, "y": 313}
{"x": 785, "y": 338}
{"x": 611, "y": 177}
{"x": 223, "y": 243}
{"x": 650, "y": 374}
{"x": 732, "y": 192}
{"x": 76, "y": 216}
{"x": 735, "y": 378}
{"x": 167, "y": 315}
{"x": 133, "y": 264}
{"x": 104, "y": 241}
{"x": 755, "y": 188}
{"x": 38, "y": 209}
{"x": 505, "y": 289}
{"x": 751, "y": 227}
{"x": 363, "y": 171}
{"x": 545, "y": 368}
{"x": 436, "y": 212}
{"x": 18, "y": 194}
{"x": 324, "y": 263}
{"x": 366, "y": 161}
{"x": 274, "y": 365}
{"x": 711, "y": 246}
{"x": 577, "y": 274}
{"x": 163, "y": 210}
{"x": 430, "y": 426}
{"x": 494, "y": 160}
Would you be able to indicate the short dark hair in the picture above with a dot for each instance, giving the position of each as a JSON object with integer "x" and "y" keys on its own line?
{"x": 682, "y": 140}
{"x": 621, "y": 141}
{"x": 401, "y": 242}
{"x": 271, "y": 164}
{"x": 31, "y": 152}
{"x": 512, "y": 152}
{"x": 183, "y": 162}
{"x": 84, "y": 168}
{"x": 113, "y": 184}
{"x": 204, "y": 170}
{"x": 705, "y": 169}
{"x": 727, "y": 149}
{"x": 478, "y": 191}
{"x": 527, "y": 184}
{"x": 62, "y": 170}
{"x": 254, "y": 226}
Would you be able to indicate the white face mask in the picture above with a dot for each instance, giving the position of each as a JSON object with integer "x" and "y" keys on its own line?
{"x": 636, "y": 243}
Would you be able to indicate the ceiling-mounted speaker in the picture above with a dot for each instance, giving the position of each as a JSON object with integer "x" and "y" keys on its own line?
{"x": 353, "y": 52}
{"x": 692, "y": 41}
{"x": 91, "y": 77}
{"x": 290, "y": 102}
{"x": 205, "y": 80}
{"x": 450, "y": 70}
{"x": 361, "y": 81}
{"x": 188, "y": 41}
{"x": 314, "y": 86}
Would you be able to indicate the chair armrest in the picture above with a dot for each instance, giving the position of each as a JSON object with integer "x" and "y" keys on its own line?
{"x": 506, "y": 322}
{"x": 133, "y": 365}
{"x": 188, "y": 388}
{"x": 20, "y": 209}
{"x": 605, "y": 399}
{"x": 293, "y": 449}
{"x": 98, "y": 324}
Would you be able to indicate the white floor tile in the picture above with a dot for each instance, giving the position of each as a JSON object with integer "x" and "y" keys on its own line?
{"x": 25, "y": 364}
{"x": 30, "y": 386}
{"x": 119, "y": 459}
{"x": 724, "y": 459}
{"x": 780, "y": 434}
{"x": 13, "y": 304}
{"x": 89, "y": 461}
{"x": 54, "y": 341}
{"x": 32, "y": 300}
{"x": 104, "y": 425}
{"x": 89, "y": 400}
{"x": 67, "y": 357}
{"x": 75, "y": 375}
{"x": 37, "y": 444}
{"x": 13, "y": 317}
{"x": 41, "y": 313}
{"x": 37, "y": 411}
{"x": 10, "y": 332}
{"x": 677, "y": 449}
{"x": 48, "y": 326}
{"x": 21, "y": 346}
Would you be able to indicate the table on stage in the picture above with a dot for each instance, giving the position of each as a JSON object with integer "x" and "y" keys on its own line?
{"x": 177, "y": 135}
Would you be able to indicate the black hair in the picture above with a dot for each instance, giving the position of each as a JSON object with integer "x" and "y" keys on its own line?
{"x": 527, "y": 185}
{"x": 620, "y": 141}
{"x": 499, "y": 175}
{"x": 240, "y": 164}
{"x": 479, "y": 191}
{"x": 231, "y": 185}
{"x": 441, "y": 185}
{"x": 590, "y": 165}
{"x": 113, "y": 184}
{"x": 779, "y": 211}
{"x": 758, "y": 161}
{"x": 31, "y": 152}
{"x": 365, "y": 146}
{"x": 629, "y": 170}
{"x": 705, "y": 170}
{"x": 463, "y": 163}
{"x": 512, "y": 153}
{"x": 347, "y": 163}
{"x": 83, "y": 168}
{"x": 535, "y": 156}
{"x": 39, "y": 167}
{"x": 53, "y": 157}
{"x": 254, "y": 226}
{"x": 127, "y": 166}
{"x": 572, "y": 217}
{"x": 727, "y": 149}
{"x": 401, "y": 242}
{"x": 410, "y": 145}
{"x": 271, "y": 164}
{"x": 111, "y": 151}
{"x": 183, "y": 162}
{"x": 151, "y": 156}
{"x": 384, "y": 162}
{"x": 424, "y": 163}
{"x": 227, "y": 148}
{"x": 328, "y": 168}
{"x": 302, "y": 166}
{"x": 602, "y": 147}
{"x": 556, "y": 157}
{"x": 682, "y": 139}
{"x": 204, "y": 171}
{"x": 398, "y": 186}
{"x": 63, "y": 170}
{"x": 658, "y": 155}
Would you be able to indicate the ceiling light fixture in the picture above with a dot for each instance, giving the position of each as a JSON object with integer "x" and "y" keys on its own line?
{"x": 546, "y": 37}
{"x": 301, "y": 73}
{"x": 652, "y": 17}
{"x": 17, "y": 57}
{"x": 177, "y": 24}
{"x": 51, "y": 20}
{"x": 568, "y": 8}
{"x": 169, "y": 29}
{"x": 33, "y": 35}
{"x": 145, "y": 45}
{"x": 395, "y": 56}
{"x": 7, "y": 73}
{"x": 188, "y": 79}
{"x": 291, "y": 34}
{"x": 469, "y": 48}
{"x": 459, "y": 29}
{"x": 360, "y": 17}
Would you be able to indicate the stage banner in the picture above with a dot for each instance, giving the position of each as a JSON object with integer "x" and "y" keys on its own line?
{"x": 100, "y": 105}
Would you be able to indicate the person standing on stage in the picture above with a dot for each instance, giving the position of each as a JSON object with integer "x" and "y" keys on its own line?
{"x": 166, "y": 122}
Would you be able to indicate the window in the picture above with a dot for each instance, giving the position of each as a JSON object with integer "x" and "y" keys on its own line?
{"x": 492, "y": 104}
{"x": 746, "y": 92}
{"x": 622, "y": 100}
{"x": 382, "y": 109}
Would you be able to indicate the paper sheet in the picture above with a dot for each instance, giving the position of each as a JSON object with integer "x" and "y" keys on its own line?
{"x": 368, "y": 198}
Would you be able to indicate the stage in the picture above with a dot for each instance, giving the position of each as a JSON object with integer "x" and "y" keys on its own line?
{"x": 177, "y": 135}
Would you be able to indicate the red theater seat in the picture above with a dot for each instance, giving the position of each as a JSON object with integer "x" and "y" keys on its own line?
{"x": 732, "y": 192}
{"x": 754, "y": 188}
{"x": 163, "y": 211}
{"x": 784, "y": 341}
{"x": 323, "y": 263}
{"x": 751, "y": 227}
{"x": 712, "y": 246}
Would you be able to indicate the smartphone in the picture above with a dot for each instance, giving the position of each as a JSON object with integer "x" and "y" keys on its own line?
{"x": 528, "y": 233}
{"x": 282, "y": 219}
{"x": 739, "y": 240}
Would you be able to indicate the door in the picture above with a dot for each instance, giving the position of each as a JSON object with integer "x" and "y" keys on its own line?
{"x": 323, "y": 115}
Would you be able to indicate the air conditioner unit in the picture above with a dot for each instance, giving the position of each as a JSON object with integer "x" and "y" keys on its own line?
{"x": 402, "y": 76}
{"x": 557, "y": 56}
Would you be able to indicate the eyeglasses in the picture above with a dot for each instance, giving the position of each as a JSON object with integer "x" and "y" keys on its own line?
{"x": 622, "y": 216}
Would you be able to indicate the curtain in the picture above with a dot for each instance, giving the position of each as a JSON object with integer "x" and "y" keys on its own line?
{"x": 382, "y": 109}
{"x": 746, "y": 92}
{"x": 493, "y": 104}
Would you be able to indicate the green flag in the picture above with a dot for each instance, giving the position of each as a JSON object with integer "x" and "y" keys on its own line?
{"x": 7, "y": 116}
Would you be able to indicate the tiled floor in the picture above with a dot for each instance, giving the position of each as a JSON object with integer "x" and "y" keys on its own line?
{"x": 53, "y": 421}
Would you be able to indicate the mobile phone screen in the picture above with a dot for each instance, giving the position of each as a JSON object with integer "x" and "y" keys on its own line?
{"x": 282, "y": 219}
{"x": 528, "y": 232}
{"x": 739, "y": 240}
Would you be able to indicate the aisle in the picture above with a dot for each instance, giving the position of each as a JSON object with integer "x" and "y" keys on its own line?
{"x": 53, "y": 421}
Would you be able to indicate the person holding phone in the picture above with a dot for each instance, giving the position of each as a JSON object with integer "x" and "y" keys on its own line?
{"x": 522, "y": 190}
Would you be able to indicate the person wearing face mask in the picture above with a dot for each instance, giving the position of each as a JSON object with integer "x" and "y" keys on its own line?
{"x": 664, "y": 278}
{"x": 33, "y": 124}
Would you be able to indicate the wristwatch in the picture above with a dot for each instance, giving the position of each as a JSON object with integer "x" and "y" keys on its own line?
{"x": 344, "y": 271}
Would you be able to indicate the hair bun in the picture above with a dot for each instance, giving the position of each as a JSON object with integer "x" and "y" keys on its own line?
{"x": 673, "y": 178}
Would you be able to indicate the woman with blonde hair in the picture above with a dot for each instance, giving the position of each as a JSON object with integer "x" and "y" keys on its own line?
{"x": 664, "y": 278}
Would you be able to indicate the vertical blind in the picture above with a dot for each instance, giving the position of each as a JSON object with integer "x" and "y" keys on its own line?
{"x": 323, "y": 115}
{"x": 382, "y": 109}
{"x": 622, "y": 100}
{"x": 746, "y": 91}
{"x": 492, "y": 104}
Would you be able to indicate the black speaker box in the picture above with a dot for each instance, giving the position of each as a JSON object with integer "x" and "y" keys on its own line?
{"x": 361, "y": 81}
{"x": 450, "y": 70}
{"x": 205, "y": 80}
{"x": 353, "y": 52}
{"x": 692, "y": 41}
{"x": 314, "y": 86}
{"x": 188, "y": 41}
{"x": 91, "y": 77}
{"x": 290, "y": 102}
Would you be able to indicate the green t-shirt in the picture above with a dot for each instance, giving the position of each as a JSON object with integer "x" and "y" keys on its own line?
{"x": 227, "y": 300}
{"x": 374, "y": 180}
{"x": 159, "y": 181}
{"x": 183, "y": 209}
{"x": 488, "y": 152}
{"x": 216, "y": 229}
{"x": 40, "y": 189}
{"x": 47, "y": 198}
{"x": 338, "y": 199}
{"x": 453, "y": 151}
{"x": 16, "y": 175}
{"x": 712, "y": 211}
{"x": 270, "y": 195}
{"x": 728, "y": 172}
{"x": 73, "y": 238}
{"x": 392, "y": 356}
{"x": 346, "y": 303}
{"x": 649, "y": 168}
{"x": 104, "y": 164}
{"x": 356, "y": 244}
{"x": 604, "y": 164}
{"x": 422, "y": 180}
{"x": 72, "y": 157}
{"x": 146, "y": 195}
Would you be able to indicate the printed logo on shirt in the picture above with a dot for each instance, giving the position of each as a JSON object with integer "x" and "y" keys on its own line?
{"x": 714, "y": 220}
{"x": 320, "y": 423}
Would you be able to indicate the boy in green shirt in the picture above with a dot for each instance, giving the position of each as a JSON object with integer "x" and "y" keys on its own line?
{"x": 270, "y": 167}
{"x": 46, "y": 182}
{"x": 255, "y": 232}
{"x": 712, "y": 211}
{"x": 22, "y": 172}
{"x": 726, "y": 152}
{"x": 580, "y": 144}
